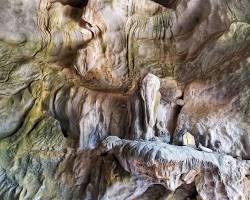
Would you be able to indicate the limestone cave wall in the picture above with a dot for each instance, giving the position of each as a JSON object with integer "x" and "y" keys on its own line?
{"x": 124, "y": 99}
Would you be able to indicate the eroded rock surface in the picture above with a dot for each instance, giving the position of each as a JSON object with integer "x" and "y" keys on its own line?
{"x": 124, "y": 99}
{"x": 216, "y": 176}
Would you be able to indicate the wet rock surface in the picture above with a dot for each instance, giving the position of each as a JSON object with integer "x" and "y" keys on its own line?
{"x": 124, "y": 99}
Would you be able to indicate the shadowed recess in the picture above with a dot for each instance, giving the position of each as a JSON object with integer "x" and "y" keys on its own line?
{"x": 165, "y": 3}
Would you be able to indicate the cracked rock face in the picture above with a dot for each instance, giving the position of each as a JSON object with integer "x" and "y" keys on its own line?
{"x": 124, "y": 99}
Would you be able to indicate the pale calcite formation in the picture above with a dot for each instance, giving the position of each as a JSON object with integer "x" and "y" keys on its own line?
{"x": 215, "y": 176}
{"x": 124, "y": 99}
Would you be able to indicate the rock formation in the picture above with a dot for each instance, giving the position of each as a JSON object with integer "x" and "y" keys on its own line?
{"x": 125, "y": 99}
